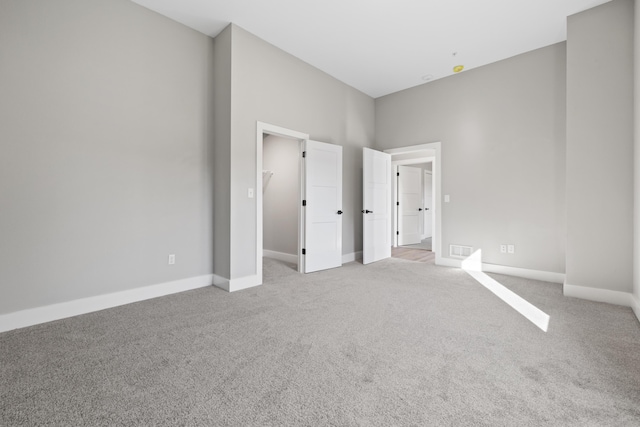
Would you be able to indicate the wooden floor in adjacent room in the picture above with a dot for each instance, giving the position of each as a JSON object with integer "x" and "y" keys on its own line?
{"x": 418, "y": 255}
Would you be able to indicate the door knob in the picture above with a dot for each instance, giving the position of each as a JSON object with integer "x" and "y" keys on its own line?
{"x": 339, "y": 212}
{"x": 366, "y": 211}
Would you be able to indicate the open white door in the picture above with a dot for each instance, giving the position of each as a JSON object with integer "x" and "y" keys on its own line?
{"x": 410, "y": 209}
{"x": 323, "y": 206}
{"x": 376, "y": 207}
{"x": 428, "y": 205}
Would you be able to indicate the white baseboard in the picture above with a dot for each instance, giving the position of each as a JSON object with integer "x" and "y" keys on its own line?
{"x": 448, "y": 262}
{"x": 49, "y": 313}
{"x": 635, "y": 305}
{"x": 281, "y": 256}
{"x": 353, "y": 256}
{"x": 221, "y": 282}
{"x": 544, "y": 276}
{"x": 235, "y": 284}
{"x": 600, "y": 295}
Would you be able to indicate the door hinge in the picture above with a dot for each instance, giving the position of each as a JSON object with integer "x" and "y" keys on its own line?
{"x": 304, "y": 154}
{"x": 397, "y": 173}
{"x": 397, "y": 233}
{"x": 397, "y": 203}
{"x": 304, "y": 251}
{"x": 304, "y": 203}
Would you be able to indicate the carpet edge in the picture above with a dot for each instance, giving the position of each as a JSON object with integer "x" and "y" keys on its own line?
{"x": 49, "y": 313}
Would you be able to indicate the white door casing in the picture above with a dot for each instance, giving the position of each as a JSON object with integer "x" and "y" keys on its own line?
{"x": 428, "y": 205}
{"x": 262, "y": 129}
{"x": 410, "y": 198}
{"x": 376, "y": 205}
{"x": 435, "y": 157}
{"x": 323, "y": 199}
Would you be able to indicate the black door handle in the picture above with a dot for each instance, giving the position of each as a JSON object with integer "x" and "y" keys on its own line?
{"x": 420, "y": 209}
{"x": 366, "y": 211}
{"x": 426, "y": 209}
{"x": 339, "y": 212}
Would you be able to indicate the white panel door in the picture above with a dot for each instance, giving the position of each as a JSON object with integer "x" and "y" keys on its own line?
{"x": 410, "y": 198}
{"x": 323, "y": 210}
{"x": 428, "y": 205}
{"x": 376, "y": 206}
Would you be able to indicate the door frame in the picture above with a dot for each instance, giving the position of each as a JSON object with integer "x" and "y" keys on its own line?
{"x": 424, "y": 188}
{"x": 436, "y": 161}
{"x": 261, "y": 129}
{"x": 397, "y": 212}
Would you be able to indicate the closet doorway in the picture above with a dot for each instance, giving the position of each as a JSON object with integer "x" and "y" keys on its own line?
{"x": 281, "y": 192}
{"x": 299, "y": 200}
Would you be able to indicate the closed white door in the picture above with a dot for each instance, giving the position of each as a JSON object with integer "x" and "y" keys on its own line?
{"x": 410, "y": 208}
{"x": 428, "y": 205}
{"x": 376, "y": 206}
{"x": 323, "y": 206}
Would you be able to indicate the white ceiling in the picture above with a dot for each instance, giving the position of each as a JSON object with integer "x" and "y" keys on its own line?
{"x": 383, "y": 46}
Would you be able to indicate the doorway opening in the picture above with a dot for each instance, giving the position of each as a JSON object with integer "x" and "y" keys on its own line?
{"x": 272, "y": 141}
{"x": 414, "y": 207}
{"x": 417, "y": 228}
{"x": 315, "y": 188}
{"x": 281, "y": 176}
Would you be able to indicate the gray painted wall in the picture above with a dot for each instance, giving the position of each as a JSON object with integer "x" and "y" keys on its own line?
{"x": 281, "y": 194}
{"x": 600, "y": 147}
{"x": 636, "y": 218}
{"x": 105, "y": 154}
{"x": 271, "y": 86}
{"x": 502, "y": 128}
{"x": 222, "y": 153}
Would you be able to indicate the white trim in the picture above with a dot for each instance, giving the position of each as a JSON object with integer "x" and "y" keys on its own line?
{"x": 281, "y": 256}
{"x": 448, "y": 262}
{"x": 261, "y": 129}
{"x": 416, "y": 161}
{"x": 543, "y": 276}
{"x": 353, "y": 256}
{"x": 599, "y": 295}
{"x": 412, "y": 148}
{"x": 244, "y": 283}
{"x": 301, "y": 260}
{"x": 221, "y": 282}
{"x": 525, "y": 273}
{"x": 436, "y": 162}
{"x": 49, "y": 313}
{"x": 635, "y": 305}
{"x": 232, "y": 285}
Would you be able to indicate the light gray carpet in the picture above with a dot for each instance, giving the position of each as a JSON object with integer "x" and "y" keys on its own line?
{"x": 424, "y": 244}
{"x": 395, "y": 343}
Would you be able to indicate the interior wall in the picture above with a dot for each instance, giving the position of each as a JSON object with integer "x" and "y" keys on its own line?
{"x": 222, "y": 153}
{"x": 271, "y": 86}
{"x": 281, "y": 190}
{"x": 600, "y": 147}
{"x": 636, "y": 191}
{"x": 106, "y": 153}
{"x": 502, "y": 128}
